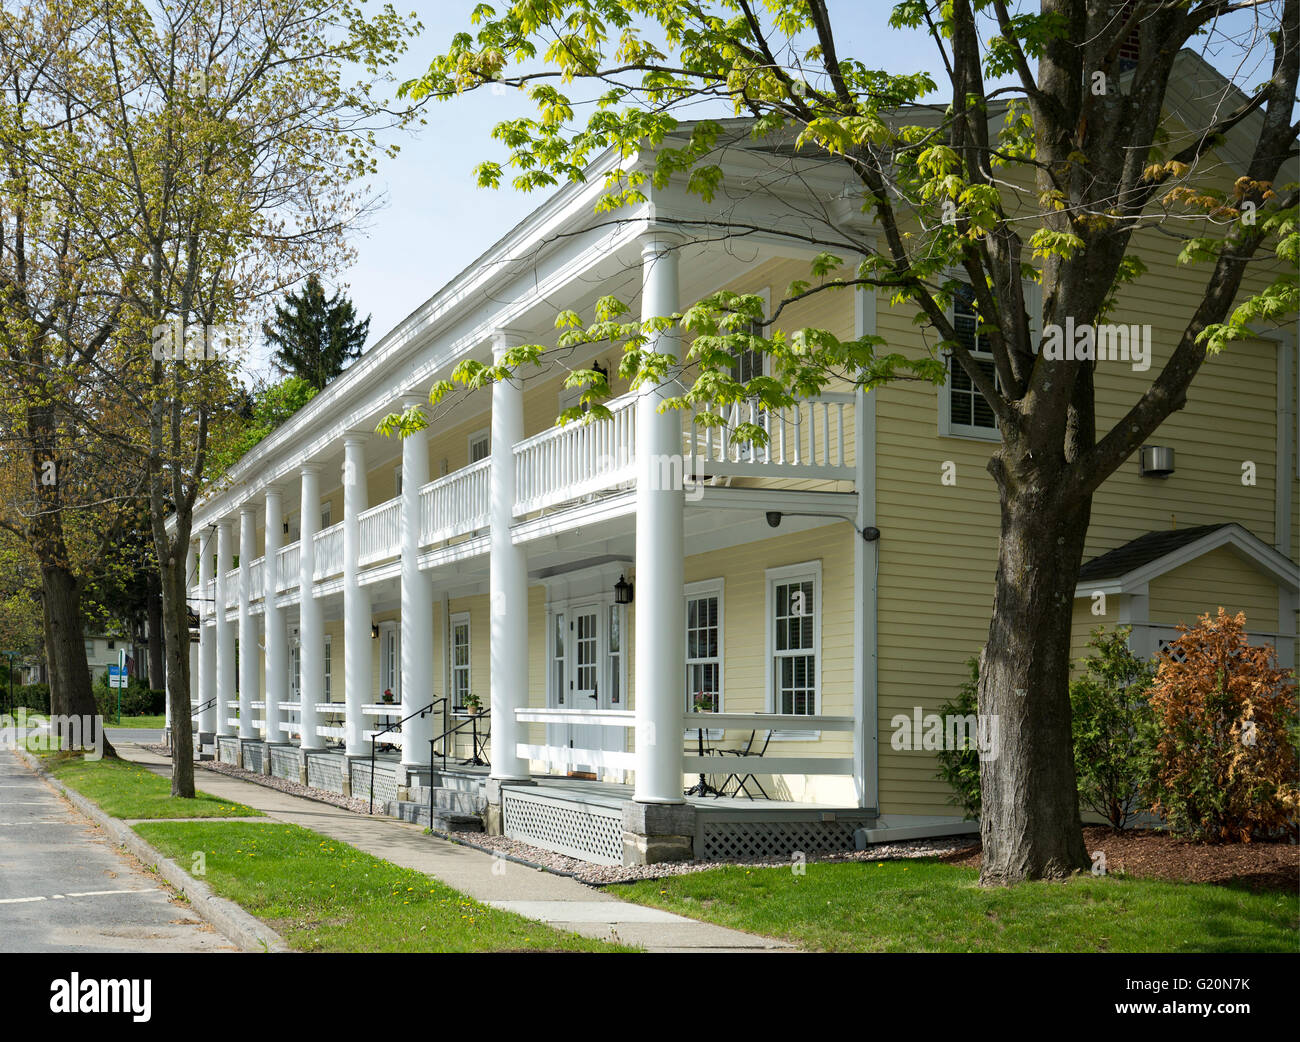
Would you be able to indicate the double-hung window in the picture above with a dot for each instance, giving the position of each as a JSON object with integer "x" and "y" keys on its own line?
{"x": 794, "y": 638}
{"x": 460, "y": 675}
{"x": 704, "y": 645}
{"x": 967, "y": 413}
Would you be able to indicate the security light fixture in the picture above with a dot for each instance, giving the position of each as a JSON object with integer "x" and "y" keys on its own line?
{"x": 870, "y": 533}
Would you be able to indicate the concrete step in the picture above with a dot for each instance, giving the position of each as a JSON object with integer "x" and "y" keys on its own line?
{"x": 455, "y": 801}
{"x": 444, "y": 819}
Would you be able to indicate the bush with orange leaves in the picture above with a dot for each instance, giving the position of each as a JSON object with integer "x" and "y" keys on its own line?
{"x": 1225, "y": 767}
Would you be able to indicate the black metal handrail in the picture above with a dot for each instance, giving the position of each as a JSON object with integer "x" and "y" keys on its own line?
{"x": 472, "y": 720}
{"x": 479, "y": 740}
{"x": 199, "y": 709}
{"x": 393, "y": 727}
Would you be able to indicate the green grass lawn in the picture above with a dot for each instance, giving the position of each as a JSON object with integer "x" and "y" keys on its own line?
{"x": 899, "y": 906}
{"x": 152, "y": 723}
{"x": 322, "y": 895}
{"x": 127, "y": 790}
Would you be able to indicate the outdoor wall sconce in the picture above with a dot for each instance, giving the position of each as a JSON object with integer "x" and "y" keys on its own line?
{"x": 1156, "y": 461}
{"x": 870, "y": 533}
{"x": 374, "y": 631}
{"x": 622, "y": 591}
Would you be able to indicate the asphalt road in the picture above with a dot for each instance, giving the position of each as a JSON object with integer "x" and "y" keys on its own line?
{"x": 64, "y": 888}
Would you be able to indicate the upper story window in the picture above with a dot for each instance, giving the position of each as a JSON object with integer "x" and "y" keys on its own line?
{"x": 480, "y": 446}
{"x": 967, "y": 413}
{"x": 326, "y": 515}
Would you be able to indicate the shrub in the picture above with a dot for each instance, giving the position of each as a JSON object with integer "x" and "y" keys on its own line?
{"x": 1111, "y": 725}
{"x": 960, "y": 768}
{"x": 33, "y": 696}
{"x": 137, "y": 699}
{"x": 1225, "y": 754}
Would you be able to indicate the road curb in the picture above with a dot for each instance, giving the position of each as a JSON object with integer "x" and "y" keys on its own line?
{"x": 226, "y": 917}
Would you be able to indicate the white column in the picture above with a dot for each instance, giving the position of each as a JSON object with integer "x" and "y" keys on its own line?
{"x": 191, "y": 649}
{"x": 508, "y": 580}
{"x": 225, "y": 631}
{"x": 356, "y": 598}
{"x": 207, "y": 638}
{"x": 311, "y": 617}
{"x": 417, "y": 603}
{"x": 660, "y": 624}
{"x": 277, "y": 637}
{"x": 249, "y": 668}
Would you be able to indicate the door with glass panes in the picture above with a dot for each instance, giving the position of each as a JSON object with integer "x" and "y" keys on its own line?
{"x": 587, "y": 675}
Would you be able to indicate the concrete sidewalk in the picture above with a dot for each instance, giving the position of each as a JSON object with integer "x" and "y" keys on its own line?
{"x": 562, "y": 902}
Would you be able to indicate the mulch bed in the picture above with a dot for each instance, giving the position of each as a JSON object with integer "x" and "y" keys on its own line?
{"x": 1150, "y": 854}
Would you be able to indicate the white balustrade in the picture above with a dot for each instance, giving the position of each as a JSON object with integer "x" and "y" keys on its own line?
{"x": 232, "y": 588}
{"x": 381, "y": 532}
{"x": 329, "y": 552}
{"x": 577, "y": 459}
{"x": 810, "y": 439}
{"x": 455, "y": 504}
{"x": 255, "y": 577}
{"x": 286, "y": 561}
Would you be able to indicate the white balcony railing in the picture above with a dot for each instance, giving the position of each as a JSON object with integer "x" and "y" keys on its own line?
{"x": 255, "y": 578}
{"x": 577, "y": 459}
{"x": 286, "y": 567}
{"x": 329, "y": 552}
{"x": 456, "y": 504}
{"x": 381, "y": 532}
{"x": 809, "y": 440}
{"x": 232, "y": 588}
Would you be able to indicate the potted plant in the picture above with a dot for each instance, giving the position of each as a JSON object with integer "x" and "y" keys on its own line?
{"x": 704, "y": 702}
{"x": 473, "y": 704}
{"x": 388, "y": 696}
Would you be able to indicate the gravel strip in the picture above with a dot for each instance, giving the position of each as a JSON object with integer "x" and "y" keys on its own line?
{"x": 584, "y": 871}
{"x": 604, "y": 875}
{"x": 334, "y": 799}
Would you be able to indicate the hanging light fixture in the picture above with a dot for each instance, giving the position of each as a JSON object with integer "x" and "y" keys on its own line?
{"x": 622, "y": 591}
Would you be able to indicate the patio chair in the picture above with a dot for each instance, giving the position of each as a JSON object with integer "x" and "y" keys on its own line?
{"x": 742, "y": 783}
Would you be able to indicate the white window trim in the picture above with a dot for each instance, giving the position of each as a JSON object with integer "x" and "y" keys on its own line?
{"x": 457, "y": 619}
{"x": 397, "y": 481}
{"x": 326, "y": 516}
{"x": 484, "y": 435}
{"x": 705, "y": 588}
{"x": 949, "y": 429}
{"x": 387, "y": 633}
{"x": 773, "y": 576}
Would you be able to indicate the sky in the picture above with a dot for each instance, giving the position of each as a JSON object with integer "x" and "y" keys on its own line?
{"x": 434, "y": 220}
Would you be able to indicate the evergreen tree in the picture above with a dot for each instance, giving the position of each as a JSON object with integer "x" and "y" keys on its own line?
{"x": 314, "y": 337}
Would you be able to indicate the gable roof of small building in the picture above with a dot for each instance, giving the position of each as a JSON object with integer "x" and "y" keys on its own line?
{"x": 1140, "y": 560}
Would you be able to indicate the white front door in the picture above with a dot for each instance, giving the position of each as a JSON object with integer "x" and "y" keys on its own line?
{"x": 585, "y": 639}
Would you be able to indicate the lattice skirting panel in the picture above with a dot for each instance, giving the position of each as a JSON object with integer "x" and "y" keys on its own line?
{"x": 228, "y": 750}
{"x": 590, "y": 833}
{"x": 254, "y": 754}
{"x": 385, "y": 782}
{"x": 325, "y": 772}
{"x": 746, "y": 840}
{"x": 285, "y": 762}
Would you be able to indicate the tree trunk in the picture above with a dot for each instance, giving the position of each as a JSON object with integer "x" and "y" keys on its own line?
{"x": 176, "y": 640}
{"x": 157, "y": 637}
{"x": 1029, "y": 823}
{"x": 66, "y": 650}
